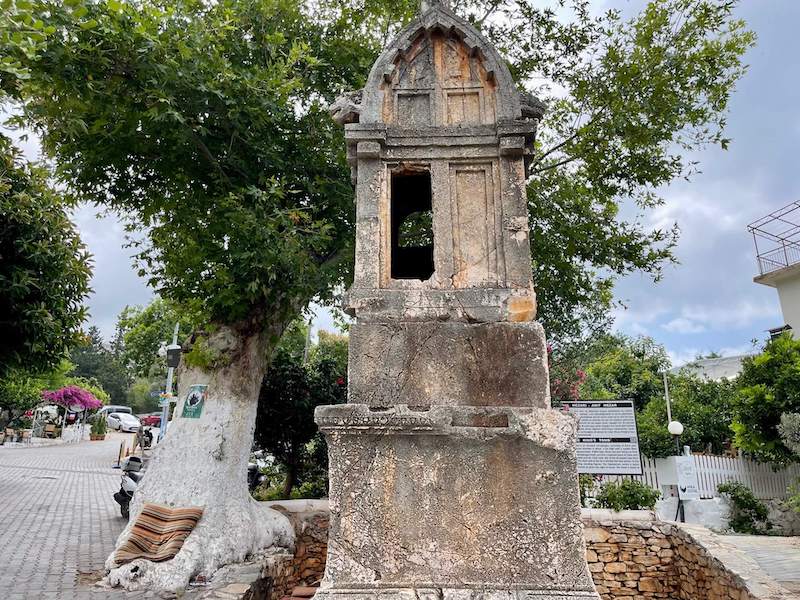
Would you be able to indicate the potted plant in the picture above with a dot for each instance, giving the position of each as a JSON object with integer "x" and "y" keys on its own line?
{"x": 99, "y": 427}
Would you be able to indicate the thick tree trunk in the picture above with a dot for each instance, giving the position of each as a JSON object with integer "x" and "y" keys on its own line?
{"x": 288, "y": 483}
{"x": 203, "y": 462}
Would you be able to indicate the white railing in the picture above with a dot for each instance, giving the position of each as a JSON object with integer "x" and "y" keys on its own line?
{"x": 765, "y": 482}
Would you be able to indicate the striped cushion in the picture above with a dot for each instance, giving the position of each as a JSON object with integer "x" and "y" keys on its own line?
{"x": 158, "y": 533}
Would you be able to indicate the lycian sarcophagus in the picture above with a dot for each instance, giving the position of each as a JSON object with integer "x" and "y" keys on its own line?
{"x": 450, "y": 474}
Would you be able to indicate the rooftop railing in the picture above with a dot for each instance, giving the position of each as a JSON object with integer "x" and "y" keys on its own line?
{"x": 777, "y": 238}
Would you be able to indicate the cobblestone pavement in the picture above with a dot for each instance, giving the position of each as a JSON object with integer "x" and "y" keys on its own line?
{"x": 58, "y": 520}
{"x": 778, "y": 556}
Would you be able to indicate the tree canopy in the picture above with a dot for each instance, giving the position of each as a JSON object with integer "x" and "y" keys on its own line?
{"x": 623, "y": 367}
{"x": 769, "y": 388}
{"x": 44, "y": 269}
{"x": 205, "y": 124}
{"x": 704, "y": 408}
{"x": 92, "y": 359}
{"x": 142, "y": 331}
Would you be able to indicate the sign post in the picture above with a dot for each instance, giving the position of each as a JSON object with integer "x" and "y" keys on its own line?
{"x": 173, "y": 359}
{"x": 608, "y": 441}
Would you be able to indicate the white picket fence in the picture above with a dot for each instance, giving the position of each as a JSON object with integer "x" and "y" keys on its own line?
{"x": 765, "y": 482}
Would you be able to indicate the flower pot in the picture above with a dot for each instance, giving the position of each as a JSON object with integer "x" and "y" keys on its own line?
{"x": 97, "y": 437}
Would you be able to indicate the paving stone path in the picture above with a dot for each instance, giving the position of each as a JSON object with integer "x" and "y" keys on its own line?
{"x": 58, "y": 521}
{"x": 779, "y": 557}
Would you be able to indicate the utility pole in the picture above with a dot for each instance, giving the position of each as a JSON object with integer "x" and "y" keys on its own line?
{"x": 666, "y": 395}
{"x": 173, "y": 359}
{"x": 308, "y": 342}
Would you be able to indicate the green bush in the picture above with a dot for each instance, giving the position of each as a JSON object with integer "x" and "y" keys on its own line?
{"x": 99, "y": 425}
{"x": 748, "y": 513}
{"x": 586, "y": 484}
{"x": 627, "y": 495}
{"x": 794, "y": 497}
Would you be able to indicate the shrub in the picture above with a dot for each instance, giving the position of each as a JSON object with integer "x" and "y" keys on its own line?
{"x": 748, "y": 513}
{"x": 627, "y": 495}
{"x": 586, "y": 484}
{"x": 99, "y": 425}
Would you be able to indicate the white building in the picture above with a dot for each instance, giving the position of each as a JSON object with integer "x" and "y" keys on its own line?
{"x": 777, "y": 240}
{"x": 715, "y": 369}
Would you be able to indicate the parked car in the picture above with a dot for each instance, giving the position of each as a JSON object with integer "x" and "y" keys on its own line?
{"x": 111, "y": 408}
{"x": 123, "y": 422}
{"x": 151, "y": 420}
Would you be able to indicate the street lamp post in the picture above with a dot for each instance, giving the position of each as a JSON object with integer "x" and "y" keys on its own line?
{"x": 173, "y": 360}
{"x": 675, "y": 429}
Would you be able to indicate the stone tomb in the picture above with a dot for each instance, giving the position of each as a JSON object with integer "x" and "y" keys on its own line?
{"x": 450, "y": 475}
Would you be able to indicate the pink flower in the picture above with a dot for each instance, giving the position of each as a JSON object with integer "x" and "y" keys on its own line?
{"x": 72, "y": 395}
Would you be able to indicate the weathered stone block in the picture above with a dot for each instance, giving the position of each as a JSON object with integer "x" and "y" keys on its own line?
{"x": 454, "y": 498}
{"x": 420, "y": 364}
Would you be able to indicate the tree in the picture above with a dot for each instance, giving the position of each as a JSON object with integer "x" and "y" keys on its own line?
{"x": 632, "y": 96}
{"x": 44, "y": 269}
{"x": 205, "y": 124}
{"x": 769, "y": 387}
{"x": 290, "y": 393}
{"x": 624, "y": 367}
{"x": 19, "y": 392}
{"x": 704, "y": 408}
{"x": 142, "y": 331}
{"x": 142, "y": 395}
{"x": 92, "y": 360}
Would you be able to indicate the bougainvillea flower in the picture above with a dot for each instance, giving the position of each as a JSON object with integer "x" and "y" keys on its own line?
{"x": 72, "y": 395}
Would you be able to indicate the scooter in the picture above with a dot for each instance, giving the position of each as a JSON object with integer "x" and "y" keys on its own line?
{"x": 131, "y": 476}
{"x": 254, "y": 477}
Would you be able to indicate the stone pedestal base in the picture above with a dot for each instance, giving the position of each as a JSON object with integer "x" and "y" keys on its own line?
{"x": 430, "y": 593}
{"x": 453, "y": 503}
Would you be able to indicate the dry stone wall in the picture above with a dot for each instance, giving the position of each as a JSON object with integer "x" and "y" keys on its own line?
{"x": 632, "y": 555}
{"x": 305, "y": 569}
{"x": 633, "y": 559}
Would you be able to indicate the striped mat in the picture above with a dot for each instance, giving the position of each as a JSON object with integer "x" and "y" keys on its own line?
{"x": 158, "y": 533}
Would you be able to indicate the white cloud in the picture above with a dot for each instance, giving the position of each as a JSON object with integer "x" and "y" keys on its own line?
{"x": 683, "y": 325}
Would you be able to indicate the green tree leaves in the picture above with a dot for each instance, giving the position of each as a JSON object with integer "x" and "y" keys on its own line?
{"x": 770, "y": 387}
{"x": 44, "y": 269}
{"x": 142, "y": 330}
{"x": 290, "y": 393}
{"x": 199, "y": 122}
{"x": 204, "y": 123}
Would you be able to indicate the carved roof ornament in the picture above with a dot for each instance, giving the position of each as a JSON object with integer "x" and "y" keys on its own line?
{"x": 436, "y": 52}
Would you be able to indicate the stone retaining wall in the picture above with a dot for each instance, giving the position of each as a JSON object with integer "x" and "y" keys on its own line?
{"x": 634, "y": 555}
{"x": 310, "y": 521}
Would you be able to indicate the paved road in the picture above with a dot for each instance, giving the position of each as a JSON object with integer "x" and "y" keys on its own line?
{"x": 778, "y": 556}
{"x": 58, "y": 521}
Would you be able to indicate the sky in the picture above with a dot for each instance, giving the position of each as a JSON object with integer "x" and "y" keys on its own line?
{"x": 707, "y": 302}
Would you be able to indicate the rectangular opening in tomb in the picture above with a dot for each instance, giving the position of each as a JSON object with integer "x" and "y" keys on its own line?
{"x": 412, "y": 225}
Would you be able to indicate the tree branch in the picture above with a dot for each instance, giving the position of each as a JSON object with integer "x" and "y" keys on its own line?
{"x": 555, "y": 165}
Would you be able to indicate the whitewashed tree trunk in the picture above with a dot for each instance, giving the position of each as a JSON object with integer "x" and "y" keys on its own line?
{"x": 203, "y": 462}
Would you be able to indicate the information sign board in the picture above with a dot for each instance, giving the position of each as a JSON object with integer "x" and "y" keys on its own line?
{"x": 608, "y": 441}
{"x": 688, "y": 484}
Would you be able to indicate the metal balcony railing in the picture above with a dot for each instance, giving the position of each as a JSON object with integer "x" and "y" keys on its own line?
{"x": 777, "y": 238}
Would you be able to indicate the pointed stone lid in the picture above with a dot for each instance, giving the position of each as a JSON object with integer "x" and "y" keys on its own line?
{"x": 436, "y": 15}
